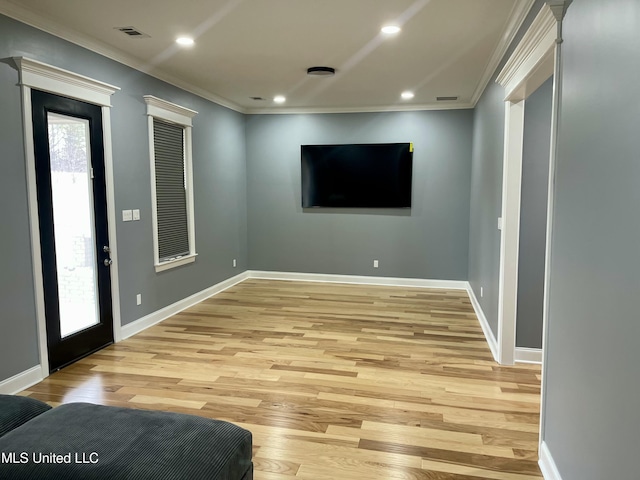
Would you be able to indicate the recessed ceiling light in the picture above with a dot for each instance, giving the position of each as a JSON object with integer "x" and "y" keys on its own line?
{"x": 407, "y": 95}
{"x": 185, "y": 41}
{"x": 390, "y": 29}
{"x": 279, "y": 99}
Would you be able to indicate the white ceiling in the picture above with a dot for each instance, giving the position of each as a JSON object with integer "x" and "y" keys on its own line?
{"x": 262, "y": 48}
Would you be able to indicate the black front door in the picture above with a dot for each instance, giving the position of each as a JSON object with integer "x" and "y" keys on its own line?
{"x": 72, "y": 211}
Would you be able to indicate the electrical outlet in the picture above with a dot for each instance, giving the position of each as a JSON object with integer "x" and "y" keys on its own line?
{"x": 375, "y": 264}
{"x": 136, "y": 214}
{"x": 499, "y": 223}
{"x": 139, "y": 299}
{"x": 481, "y": 292}
{"x": 234, "y": 263}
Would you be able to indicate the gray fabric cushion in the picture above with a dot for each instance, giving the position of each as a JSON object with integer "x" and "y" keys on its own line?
{"x": 130, "y": 444}
{"x": 14, "y": 411}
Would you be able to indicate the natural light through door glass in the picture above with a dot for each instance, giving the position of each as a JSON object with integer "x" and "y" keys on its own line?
{"x": 71, "y": 189}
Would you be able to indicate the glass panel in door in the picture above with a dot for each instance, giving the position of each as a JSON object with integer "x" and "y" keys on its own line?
{"x": 73, "y": 222}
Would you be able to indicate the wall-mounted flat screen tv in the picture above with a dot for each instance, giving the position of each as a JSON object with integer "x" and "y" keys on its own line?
{"x": 357, "y": 176}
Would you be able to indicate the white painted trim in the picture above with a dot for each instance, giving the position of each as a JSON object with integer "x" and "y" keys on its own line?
{"x": 358, "y": 279}
{"x": 34, "y": 228}
{"x": 42, "y": 76}
{"x": 176, "y": 262}
{"x": 547, "y": 464}
{"x": 486, "y": 328}
{"x": 154, "y": 199}
{"x": 510, "y": 233}
{"x": 529, "y": 65}
{"x": 191, "y": 215}
{"x": 559, "y": 10}
{"x": 528, "y": 355}
{"x": 516, "y": 19}
{"x": 21, "y": 381}
{"x": 112, "y": 225}
{"x": 158, "y": 316}
{"x": 156, "y": 107}
{"x": 531, "y": 52}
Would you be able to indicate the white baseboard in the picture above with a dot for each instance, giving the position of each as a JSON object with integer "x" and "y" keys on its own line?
{"x": 21, "y": 381}
{"x": 488, "y": 333}
{"x": 528, "y": 355}
{"x": 158, "y": 316}
{"x": 358, "y": 279}
{"x": 547, "y": 465}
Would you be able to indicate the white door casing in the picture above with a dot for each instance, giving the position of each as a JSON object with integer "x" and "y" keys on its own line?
{"x": 40, "y": 76}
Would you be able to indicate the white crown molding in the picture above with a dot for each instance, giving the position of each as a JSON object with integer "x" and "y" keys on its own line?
{"x": 375, "y": 109}
{"x": 541, "y": 35}
{"x": 484, "y": 324}
{"x": 518, "y": 15}
{"x": 33, "y": 19}
{"x": 38, "y": 75}
{"x": 29, "y": 17}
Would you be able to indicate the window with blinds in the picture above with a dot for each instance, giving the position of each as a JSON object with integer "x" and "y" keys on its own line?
{"x": 171, "y": 194}
{"x": 171, "y": 183}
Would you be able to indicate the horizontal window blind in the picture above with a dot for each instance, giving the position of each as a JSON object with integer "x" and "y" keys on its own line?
{"x": 171, "y": 198}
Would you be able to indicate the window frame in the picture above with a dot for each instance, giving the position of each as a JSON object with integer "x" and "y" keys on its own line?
{"x": 182, "y": 116}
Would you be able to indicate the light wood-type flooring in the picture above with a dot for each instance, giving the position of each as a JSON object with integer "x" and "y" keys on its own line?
{"x": 335, "y": 381}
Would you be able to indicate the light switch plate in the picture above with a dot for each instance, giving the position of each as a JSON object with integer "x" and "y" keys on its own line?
{"x": 499, "y": 223}
{"x": 127, "y": 215}
{"x": 136, "y": 214}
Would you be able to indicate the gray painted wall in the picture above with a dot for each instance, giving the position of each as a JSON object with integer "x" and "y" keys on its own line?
{"x": 533, "y": 216}
{"x": 18, "y": 334}
{"x": 486, "y": 188}
{"x": 219, "y": 177}
{"x": 428, "y": 241}
{"x": 592, "y": 384}
{"x": 486, "y": 200}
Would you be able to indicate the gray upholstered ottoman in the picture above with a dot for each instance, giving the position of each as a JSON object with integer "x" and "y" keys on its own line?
{"x": 85, "y": 441}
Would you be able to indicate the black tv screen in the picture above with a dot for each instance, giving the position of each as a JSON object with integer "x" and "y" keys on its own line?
{"x": 357, "y": 176}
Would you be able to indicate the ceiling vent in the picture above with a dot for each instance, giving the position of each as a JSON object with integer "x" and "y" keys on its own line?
{"x": 258, "y": 99}
{"x": 446, "y": 99}
{"x": 133, "y": 32}
{"x": 321, "y": 71}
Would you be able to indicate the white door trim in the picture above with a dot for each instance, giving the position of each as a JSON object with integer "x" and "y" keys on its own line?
{"x": 538, "y": 56}
{"x": 40, "y": 76}
{"x": 531, "y": 63}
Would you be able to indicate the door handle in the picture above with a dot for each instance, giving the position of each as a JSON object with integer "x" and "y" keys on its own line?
{"x": 107, "y": 262}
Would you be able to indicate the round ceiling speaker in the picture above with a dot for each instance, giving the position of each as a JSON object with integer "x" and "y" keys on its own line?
{"x": 321, "y": 71}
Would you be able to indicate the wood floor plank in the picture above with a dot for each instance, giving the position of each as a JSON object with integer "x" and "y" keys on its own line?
{"x": 333, "y": 380}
